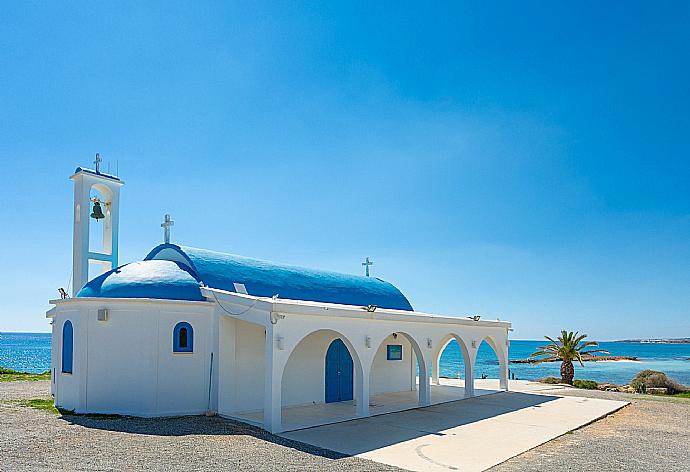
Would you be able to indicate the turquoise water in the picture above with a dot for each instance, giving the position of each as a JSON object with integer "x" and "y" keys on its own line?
{"x": 30, "y": 352}
{"x": 668, "y": 358}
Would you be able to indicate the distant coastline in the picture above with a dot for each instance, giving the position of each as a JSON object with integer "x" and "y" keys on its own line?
{"x": 584, "y": 359}
{"x": 656, "y": 341}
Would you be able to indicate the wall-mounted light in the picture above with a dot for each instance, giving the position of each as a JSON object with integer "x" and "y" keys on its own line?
{"x": 429, "y": 343}
{"x": 370, "y": 308}
{"x": 474, "y": 344}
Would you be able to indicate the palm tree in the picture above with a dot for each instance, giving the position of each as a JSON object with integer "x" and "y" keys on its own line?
{"x": 568, "y": 347}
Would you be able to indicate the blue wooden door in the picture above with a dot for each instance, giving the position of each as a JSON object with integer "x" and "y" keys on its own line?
{"x": 338, "y": 372}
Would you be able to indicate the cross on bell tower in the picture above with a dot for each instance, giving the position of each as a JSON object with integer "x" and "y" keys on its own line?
{"x": 166, "y": 228}
{"x": 366, "y": 264}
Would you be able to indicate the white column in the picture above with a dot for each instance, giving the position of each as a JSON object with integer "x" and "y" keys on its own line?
{"x": 363, "y": 390}
{"x": 469, "y": 377}
{"x": 503, "y": 366}
{"x": 435, "y": 368}
{"x": 424, "y": 384}
{"x": 272, "y": 386}
{"x": 413, "y": 370}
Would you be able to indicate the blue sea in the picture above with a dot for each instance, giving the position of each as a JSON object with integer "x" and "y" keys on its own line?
{"x": 30, "y": 352}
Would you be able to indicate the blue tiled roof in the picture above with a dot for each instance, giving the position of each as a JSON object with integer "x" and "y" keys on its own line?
{"x": 265, "y": 279}
{"x": 145, "y": 279}
{"x": 174, "y": 272}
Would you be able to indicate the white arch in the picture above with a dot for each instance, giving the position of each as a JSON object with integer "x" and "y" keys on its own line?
{"x": 501, "y": 355}
{"x": 361, "y": 398}
{"x": 424, "y": 383}
{"x": 466, "y": 360}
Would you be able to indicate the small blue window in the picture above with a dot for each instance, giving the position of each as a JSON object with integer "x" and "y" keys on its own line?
{"x": 183, "y": 337}
{"x": 394, "y": 352}
{"x": 67, "y": 346}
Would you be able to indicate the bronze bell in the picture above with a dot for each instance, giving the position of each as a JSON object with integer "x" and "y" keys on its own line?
{"x": 97, "y": 213}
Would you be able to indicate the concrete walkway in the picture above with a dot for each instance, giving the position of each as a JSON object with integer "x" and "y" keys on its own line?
{"x": 468, "y": 435}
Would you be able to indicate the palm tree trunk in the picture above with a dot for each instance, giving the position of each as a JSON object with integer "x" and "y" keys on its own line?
{"x": 567, "y": 372}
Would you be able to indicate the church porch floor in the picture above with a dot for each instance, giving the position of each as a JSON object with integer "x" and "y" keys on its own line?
{"x": 307, "y": 416}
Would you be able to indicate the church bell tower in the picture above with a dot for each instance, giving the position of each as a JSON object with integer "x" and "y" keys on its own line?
{"x": 96, "y": 202}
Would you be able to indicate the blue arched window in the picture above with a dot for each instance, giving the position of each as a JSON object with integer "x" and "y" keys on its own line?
{"x": 67, "y": 347}
{"x": 183, "y": 337}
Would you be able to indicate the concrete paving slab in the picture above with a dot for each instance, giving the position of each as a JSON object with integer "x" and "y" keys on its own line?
{"x": 468, "y": 435}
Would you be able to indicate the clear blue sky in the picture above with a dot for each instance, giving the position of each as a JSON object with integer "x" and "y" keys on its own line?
{"x": 527, "y": 162}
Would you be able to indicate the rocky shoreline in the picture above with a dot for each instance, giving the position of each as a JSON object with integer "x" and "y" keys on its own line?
{"x": 584, "y": 358}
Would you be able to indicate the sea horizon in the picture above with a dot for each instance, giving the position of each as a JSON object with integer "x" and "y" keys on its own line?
{"x": 31, "y": 352}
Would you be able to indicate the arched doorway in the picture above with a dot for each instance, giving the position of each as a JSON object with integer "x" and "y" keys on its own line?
{"x": 339, "y": 372}
{"x": 491, "y": 364}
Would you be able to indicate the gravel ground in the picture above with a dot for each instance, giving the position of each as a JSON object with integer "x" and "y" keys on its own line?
{"x": 652, "y": 433}
{"x": 35, "y": 440}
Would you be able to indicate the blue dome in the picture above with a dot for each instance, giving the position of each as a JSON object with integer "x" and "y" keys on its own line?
{"x": 145, "y": 279}
{"x": 172, "y": 272}
{"x": 265, "y": 279}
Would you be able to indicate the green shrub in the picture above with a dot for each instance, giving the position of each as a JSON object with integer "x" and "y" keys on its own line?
{"x": 8, "y": 375}
{"x": 588, "y": 384}
{"x": 654, "y": 379}
{"x": 550, "y": 380}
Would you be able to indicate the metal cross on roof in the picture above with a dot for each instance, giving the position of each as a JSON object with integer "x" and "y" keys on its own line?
{"x": 166, "y": 228}
{"x": 366, "y": 264}
{"x": 98, "y": 163}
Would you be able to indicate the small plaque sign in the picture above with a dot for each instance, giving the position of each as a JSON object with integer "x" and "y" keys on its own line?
{"x": 394, "y": 352}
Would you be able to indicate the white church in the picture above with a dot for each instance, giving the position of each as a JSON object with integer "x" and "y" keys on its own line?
{"x": 189, "y": 331}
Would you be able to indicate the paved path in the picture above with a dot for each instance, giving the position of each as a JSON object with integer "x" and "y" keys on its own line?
{"x": 651, "y": 434}
{"x": 468, "y": 435}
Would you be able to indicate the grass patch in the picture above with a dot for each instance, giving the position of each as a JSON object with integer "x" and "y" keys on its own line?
{"x": 682, "y": 395}
{"x": 39, "y": 404}
{"x": 9, "y": 375}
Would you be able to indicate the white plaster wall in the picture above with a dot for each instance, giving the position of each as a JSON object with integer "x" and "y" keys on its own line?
{"x": 183, "y": 378}
{"x": 66, "y": 388}
{"x": 227, "y": 393}
{"x": 125, "y": 365}
{"x": 122, "y": 361}
{"x": 391, "y": 376}
{"x": 248, "y": 377}
{"x": 304, "y": 377}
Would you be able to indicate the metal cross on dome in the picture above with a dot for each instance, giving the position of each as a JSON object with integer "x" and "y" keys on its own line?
{"x": 166, "y": 228}
{"x": 366, "y": 264}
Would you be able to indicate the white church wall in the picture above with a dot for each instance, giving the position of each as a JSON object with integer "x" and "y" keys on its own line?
{"x": 227, "y": 393}
{"x": 66, "y": 388}
{"x": 125, "y": 365}
{"x": 122, "y": 369}
{"x": 249, "y": 366}
{"x": 183, "y": 377}
{"x": 304, "y": 380}
{"x": 391, "y": 376}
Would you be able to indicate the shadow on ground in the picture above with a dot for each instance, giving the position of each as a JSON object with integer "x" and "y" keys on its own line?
{"x": 417, "y": 423}
{"x": 190, "y": 425}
